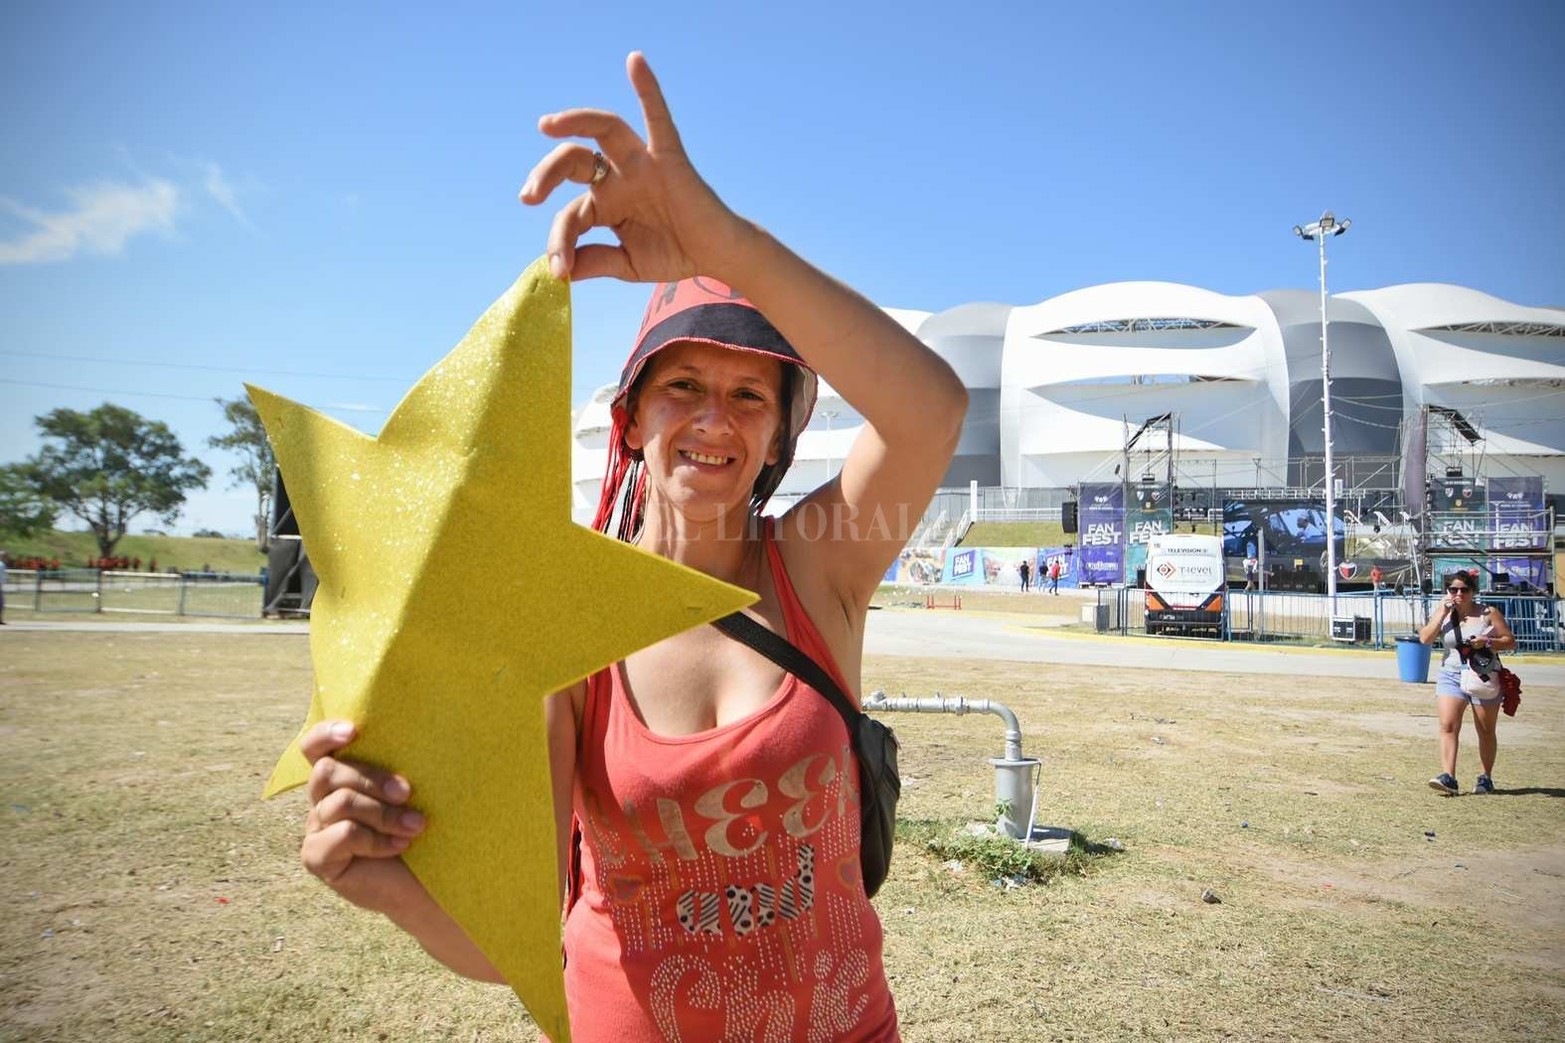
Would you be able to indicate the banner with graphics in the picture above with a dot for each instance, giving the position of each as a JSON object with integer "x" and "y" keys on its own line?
{"x": 964, "y": 565}
{"x": 1069, "y": 567}
{"x": 1517, "y": 514}
{"x": 1002, "y": 566}
{"x": 1525, "y": 575}
{"x": 985, "y": 566}
{"x": 1149, "y": 516}
{"x": 921, "y": 566}
{"x": 1441, "y": 569}
{"x": 1102, "y": 519}
{"x": 1459, "y": 513}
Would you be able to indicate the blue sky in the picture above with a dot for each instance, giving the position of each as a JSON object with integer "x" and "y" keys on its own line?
{"x": 320, "y": 199}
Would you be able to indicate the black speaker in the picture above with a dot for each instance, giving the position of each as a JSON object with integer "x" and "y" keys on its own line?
{"x": 1068, "y": 516}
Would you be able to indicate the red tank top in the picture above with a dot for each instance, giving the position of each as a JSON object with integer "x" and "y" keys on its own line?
{"x": 720, "y": 891}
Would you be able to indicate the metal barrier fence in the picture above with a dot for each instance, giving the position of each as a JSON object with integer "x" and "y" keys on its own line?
{"x": 205, "y": 594}
{"x": 1370, "y": 618}
{"x": 1536, "y": 622}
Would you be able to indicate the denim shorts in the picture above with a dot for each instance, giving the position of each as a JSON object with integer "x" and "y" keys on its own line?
{"x": 1449, "y": 684}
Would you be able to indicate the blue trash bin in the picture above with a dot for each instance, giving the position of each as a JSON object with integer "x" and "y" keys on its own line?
{"x": 1412, "y": 660}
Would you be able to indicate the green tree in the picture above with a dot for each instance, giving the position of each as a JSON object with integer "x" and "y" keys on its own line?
{"x": 23, "y": 511}
{"x": 247, "y": 439}
{"x": 110, "y": 465}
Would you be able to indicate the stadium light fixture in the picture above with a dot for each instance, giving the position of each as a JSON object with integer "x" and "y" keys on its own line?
{"x": 1318, "y": 232}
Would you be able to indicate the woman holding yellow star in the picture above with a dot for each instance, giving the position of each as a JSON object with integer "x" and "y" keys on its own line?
{"x": 711, "y": 796}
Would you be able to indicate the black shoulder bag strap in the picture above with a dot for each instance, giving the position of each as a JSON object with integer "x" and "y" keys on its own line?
{"x": 791, "y": 658}
{"x": 874, "y": 747}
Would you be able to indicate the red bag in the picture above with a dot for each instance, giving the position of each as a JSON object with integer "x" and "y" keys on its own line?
{"x": 1510, "y": 691}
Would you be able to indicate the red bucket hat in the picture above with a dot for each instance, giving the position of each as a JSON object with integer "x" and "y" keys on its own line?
{"x": 709, "y": 312}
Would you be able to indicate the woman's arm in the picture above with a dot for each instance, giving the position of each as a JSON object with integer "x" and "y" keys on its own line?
{"x": 912, "y": 402}
{"x": 433, "y": 928}
{"x": 1430, "y": 633}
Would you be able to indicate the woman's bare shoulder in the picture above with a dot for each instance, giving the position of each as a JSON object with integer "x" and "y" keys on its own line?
{"x": 808, "y": 558}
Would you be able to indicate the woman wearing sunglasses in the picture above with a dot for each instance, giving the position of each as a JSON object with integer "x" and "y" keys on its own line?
{"x": 1482, "y": 627}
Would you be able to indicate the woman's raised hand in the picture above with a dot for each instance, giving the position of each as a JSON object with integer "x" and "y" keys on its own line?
{"x": 669, "y": 223}
{"x": 358, "y": 824}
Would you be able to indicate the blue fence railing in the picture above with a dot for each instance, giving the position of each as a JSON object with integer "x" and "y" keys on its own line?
{"x": 1372, "y": 618}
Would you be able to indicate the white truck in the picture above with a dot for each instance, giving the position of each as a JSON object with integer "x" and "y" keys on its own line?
{"x": 1186, "y": 580}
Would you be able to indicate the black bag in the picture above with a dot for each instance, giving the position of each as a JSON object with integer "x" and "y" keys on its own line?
{"x": 874, "y": 745}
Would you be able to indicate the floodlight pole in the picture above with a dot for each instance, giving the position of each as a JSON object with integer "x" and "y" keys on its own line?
{"x": 1327, "y": 226}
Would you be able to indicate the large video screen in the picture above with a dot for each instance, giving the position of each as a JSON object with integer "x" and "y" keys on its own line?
{"x": 1293, "y": 529}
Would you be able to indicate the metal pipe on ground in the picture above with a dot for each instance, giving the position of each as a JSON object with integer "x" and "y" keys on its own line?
{"x": 1015, "y": 776}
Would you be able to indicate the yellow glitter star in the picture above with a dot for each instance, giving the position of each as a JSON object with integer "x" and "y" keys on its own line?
{"x": 455, "y": 593}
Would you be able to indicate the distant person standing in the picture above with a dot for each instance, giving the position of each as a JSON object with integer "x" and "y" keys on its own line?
{"x": 1375, "y": 577}
{"x": 1054, "y": 576}
{"x": 1025, "y": 571}
{"x": 1251, "y": 567}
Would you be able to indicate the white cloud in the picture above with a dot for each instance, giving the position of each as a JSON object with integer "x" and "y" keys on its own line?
{"x": 101, "y": 219}
{"x": 219, "y": 188}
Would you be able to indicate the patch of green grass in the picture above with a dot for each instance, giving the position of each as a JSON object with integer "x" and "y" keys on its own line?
{"x": 995, "y": 857}
{"x": 1046, "y": 534}
{"x": 1016, "y": 534}
{"x": 186, "y": 553}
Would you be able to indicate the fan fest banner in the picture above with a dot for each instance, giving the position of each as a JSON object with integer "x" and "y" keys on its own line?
{"x": 1516, "y": 513}
{"x": 1102, "y": 533}
{"x": 985, "y": 566}
{"x": 1147, "y": 517}
{"x": 1460, "y": 512}
{"x": 982, "y": 566}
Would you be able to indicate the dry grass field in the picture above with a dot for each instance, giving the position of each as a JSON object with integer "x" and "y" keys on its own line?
{"x": 147, "y": 893}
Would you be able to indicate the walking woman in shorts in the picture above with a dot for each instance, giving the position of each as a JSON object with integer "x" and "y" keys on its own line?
{"x": 1482, "y": 627}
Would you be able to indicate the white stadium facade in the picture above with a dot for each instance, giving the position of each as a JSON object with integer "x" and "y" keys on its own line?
{"x": 1058, "y": 388}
